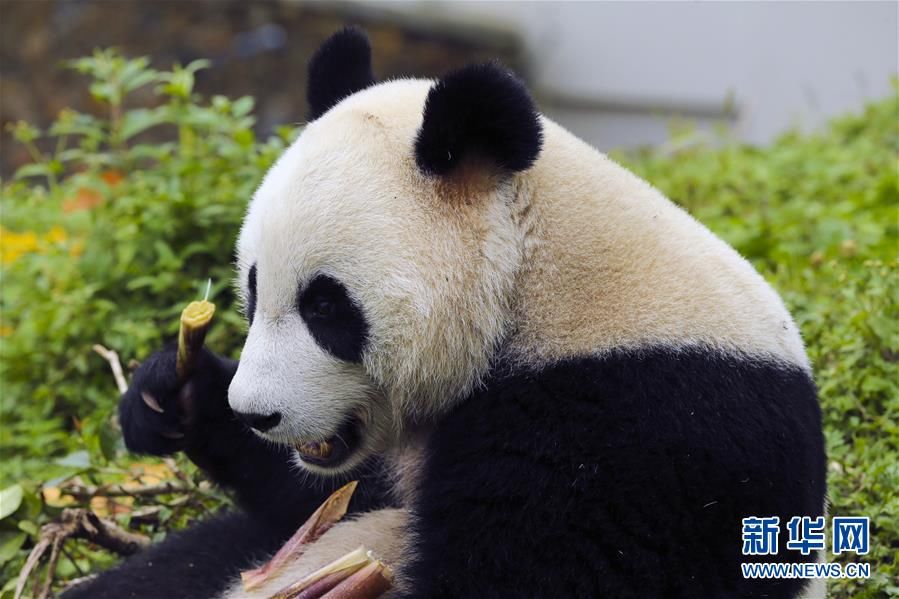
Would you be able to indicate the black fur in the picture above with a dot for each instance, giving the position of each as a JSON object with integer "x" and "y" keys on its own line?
{"x": 274, "y": 495}
{"x": 481, "y": 110}
{"x": 334, "y": 319}
{"x": 251, "y": 294}
{"x": 338, "y": 69}
{"x": 623, "y": 476}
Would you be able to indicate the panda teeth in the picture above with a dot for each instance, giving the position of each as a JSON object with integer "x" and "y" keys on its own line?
{"x": 316, "y": 449}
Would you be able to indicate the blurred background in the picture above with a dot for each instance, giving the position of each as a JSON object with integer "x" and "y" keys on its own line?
{"x": 619, "y": 74}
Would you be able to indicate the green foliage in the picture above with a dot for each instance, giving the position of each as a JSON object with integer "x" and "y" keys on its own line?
{"x": 105, "y": 240}
{"x": 129, "y": 235}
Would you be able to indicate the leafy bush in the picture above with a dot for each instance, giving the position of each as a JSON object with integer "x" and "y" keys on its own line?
{"x": 122, "y": 235}
{"x": 103, "y": 241}
{"x": 107, "y": 238}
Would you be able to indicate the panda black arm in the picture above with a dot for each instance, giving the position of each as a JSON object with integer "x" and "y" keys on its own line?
{"x": 192, "y": 564}
{"x": 625, "y": 476}
{"x": 196, "y": 419}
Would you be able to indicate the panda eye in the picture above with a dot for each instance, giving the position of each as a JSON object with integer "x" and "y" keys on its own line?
{"x": 321, "y": 307}
{"x": 336, "y": 322}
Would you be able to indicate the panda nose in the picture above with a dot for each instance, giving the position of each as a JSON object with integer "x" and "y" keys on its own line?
{"x": 261, "y": 422}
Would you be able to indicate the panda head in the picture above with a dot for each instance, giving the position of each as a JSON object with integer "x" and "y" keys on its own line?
{"x": 377, "y": 259}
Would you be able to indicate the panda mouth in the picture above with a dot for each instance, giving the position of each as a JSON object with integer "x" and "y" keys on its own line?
{"x": 334, "y": 450}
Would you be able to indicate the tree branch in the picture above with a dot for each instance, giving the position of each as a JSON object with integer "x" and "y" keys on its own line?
{"x": 165, "y": 488}
{"x": 81, "y": 524}
{"x": 87, "y": 525}
{"x": 113, "y": 358}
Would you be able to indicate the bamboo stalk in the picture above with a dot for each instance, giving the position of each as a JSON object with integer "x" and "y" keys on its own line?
{"x": 356, "y": 575}
{"x": 370, "y": 582}
{"x": 343, "y": 567}
{"x": 195, "y": 321}
{"x": 330, "y": 512}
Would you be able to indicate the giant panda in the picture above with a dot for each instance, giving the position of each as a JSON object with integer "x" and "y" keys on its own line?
{"x": 550, "y": 380}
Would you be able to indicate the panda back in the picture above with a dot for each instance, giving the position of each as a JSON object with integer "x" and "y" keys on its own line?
{"x": 610, "y": 263}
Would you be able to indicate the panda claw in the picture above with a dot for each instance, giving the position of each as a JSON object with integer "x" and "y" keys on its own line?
{"x": 151, "y": 402}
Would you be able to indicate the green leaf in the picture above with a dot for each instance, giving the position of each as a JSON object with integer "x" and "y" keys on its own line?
{"x": 139, "y": 120}
{"x": 76, "y": 123}
{"x": 76, "y": 459}
{"x": 28, "y": 527}
{"x": 10, "y": 543}
{"x": 242, "y": 106}
{"x": 108, "y": 439}
{"x": 105, "y": 92}
{"x": 56, "y": 481}
{"x": 140, "y": 79}
{"x": 24, "y": 132}
{"x": 10, "y": 500}
{"x": 33, "y": 170}
{"x": 197, "y": 65}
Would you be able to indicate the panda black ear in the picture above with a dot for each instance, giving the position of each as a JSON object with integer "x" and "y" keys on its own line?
{"x": 339, "y": 68}
{"x": 481, "y": 110}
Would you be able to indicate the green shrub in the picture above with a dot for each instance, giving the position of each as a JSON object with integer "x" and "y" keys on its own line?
{"x": 122, "y": 235}
{"x": 107, "y": 238}
{"x": 104, "y": 241}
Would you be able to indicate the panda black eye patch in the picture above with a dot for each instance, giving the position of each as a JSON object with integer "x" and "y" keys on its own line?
{"x": 251, "y": 294}
{"x": 336, "y": 322}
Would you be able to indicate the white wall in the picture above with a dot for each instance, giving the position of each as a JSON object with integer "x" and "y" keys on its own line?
{"x": 615, "y": 72}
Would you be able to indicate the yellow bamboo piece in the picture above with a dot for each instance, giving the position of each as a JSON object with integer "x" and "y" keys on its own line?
{"x": 195, "y": 321}
{"x": 327, "y": 515}
{"x": 344, "y": 566}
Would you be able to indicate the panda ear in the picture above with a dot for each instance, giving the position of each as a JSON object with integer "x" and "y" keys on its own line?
{"x": 483, "y": 111}
{"x": 339, "y": 68}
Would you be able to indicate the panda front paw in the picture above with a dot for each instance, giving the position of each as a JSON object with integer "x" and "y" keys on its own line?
{"x": 160, "y": 416}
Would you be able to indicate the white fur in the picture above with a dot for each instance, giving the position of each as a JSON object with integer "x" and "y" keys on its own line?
{"x": 815, "y": 588}
{"x": 614, "y": 264}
